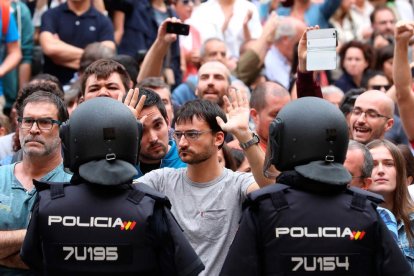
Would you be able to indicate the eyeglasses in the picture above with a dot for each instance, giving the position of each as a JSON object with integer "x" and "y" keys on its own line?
{"x": 378, "y": 87}
{"x": 370, "y": 113}
{"x": 190, "y": 135}
{"x": 42, "y": 123}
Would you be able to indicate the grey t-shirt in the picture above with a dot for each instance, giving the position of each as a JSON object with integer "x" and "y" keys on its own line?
{"x": 208, "y": 212}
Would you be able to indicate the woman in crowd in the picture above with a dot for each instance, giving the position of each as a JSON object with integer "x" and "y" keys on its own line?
{"x": 356, "y": 59}
{"x": 384, "y": 61}
{"x": 389, "y": 180}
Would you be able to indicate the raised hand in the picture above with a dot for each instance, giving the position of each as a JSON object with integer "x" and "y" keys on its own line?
{"x": 303, "y": 48}
{"x": 132, "y": 102}
{"x": 238, "y": 111}
{"x": 404, "y": 30}
{"x": 162, "y": 31}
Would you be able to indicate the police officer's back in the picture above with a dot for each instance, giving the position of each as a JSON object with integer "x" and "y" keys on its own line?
{"x": 312, "y": 224}
{"x": 100, "y": 223}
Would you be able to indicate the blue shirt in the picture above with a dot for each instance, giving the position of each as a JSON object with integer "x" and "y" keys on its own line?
{"x": 403, "y": 242}
{"x": 389, "y": 219}
{"x": 79, "y": 31}
{"x": 16, "y": 203}
{"x": 171, "y": 159}
{"x": 12, "y": 35}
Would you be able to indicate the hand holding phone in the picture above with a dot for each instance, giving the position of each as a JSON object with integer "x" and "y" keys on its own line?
{"x": 178, "y": 28}
{"x": 321, "y": 49}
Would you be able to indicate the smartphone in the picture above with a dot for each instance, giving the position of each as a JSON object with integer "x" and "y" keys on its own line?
{"x": 178, "y": 28}
{"x": 321, "y": 49}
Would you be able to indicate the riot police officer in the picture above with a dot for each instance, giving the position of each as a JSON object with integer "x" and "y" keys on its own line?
{"x": 310, "y": 223}
{"x": 99, "y": 222}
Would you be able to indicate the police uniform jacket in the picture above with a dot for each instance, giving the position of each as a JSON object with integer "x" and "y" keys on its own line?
{"x": 291, "y": 230}
{"x": 83, "y": 228}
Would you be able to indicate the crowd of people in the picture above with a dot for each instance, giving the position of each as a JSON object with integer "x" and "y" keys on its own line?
{"x": 205, "y": 104}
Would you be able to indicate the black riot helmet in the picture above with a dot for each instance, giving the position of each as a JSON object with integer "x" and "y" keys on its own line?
{"x": 101, "y": 142}
{"x": 310, "y": 136}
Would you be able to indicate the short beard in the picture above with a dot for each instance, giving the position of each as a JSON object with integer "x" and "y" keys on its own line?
{"x": 199, "y": 158}
{"x": 48, "y": 149}
{"x": 151, "y": 157}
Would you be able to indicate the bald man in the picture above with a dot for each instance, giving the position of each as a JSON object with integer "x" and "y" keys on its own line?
{"x": 213, "y": 82}
{"x": 372, "y": 116}
{"x": 265, "y": 103}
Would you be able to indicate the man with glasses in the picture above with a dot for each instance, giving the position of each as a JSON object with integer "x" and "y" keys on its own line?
{"x": 371, "y": 116}
{"x": 206, "y": 198}
{"x": 359, "y": 164}
{"x": 39, "y": 118}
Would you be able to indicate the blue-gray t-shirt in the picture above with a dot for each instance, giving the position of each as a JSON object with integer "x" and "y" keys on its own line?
{"x": 15, "y": 201}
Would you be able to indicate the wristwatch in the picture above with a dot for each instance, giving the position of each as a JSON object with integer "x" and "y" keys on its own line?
{"x": 255, "y": 140}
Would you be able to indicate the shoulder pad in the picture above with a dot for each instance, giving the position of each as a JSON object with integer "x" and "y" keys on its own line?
{"x": 151, "y": 192}
{"x": 264, "y": 192}
{"x": 43, "y": 185}
{"x": 376, "y": 198}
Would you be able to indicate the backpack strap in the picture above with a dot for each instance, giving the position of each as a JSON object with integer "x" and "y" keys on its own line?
{"x": 135, "y": 196}
{"x": 376, "y": 198}
{"x": 279, "y": 200}
{"x": 157, "y": 196}
{"x": 275, "y": 192}
{"x": 359, "y": 198}
{"x": 5, "y": 17}
{"x": 358, "y": 202}
{"x": 57, "y": 190}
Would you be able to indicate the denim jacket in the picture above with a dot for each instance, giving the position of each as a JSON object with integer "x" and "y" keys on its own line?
{"x": 403, "y": 242}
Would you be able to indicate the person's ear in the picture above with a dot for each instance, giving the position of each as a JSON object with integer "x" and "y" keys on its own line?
{"x": 219, "y": 138}
{"x": 81, "y": 100}
{"x": 254, "y": 114}
{"x": 366, "y": 183}
{"x": 389, "y": 124}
